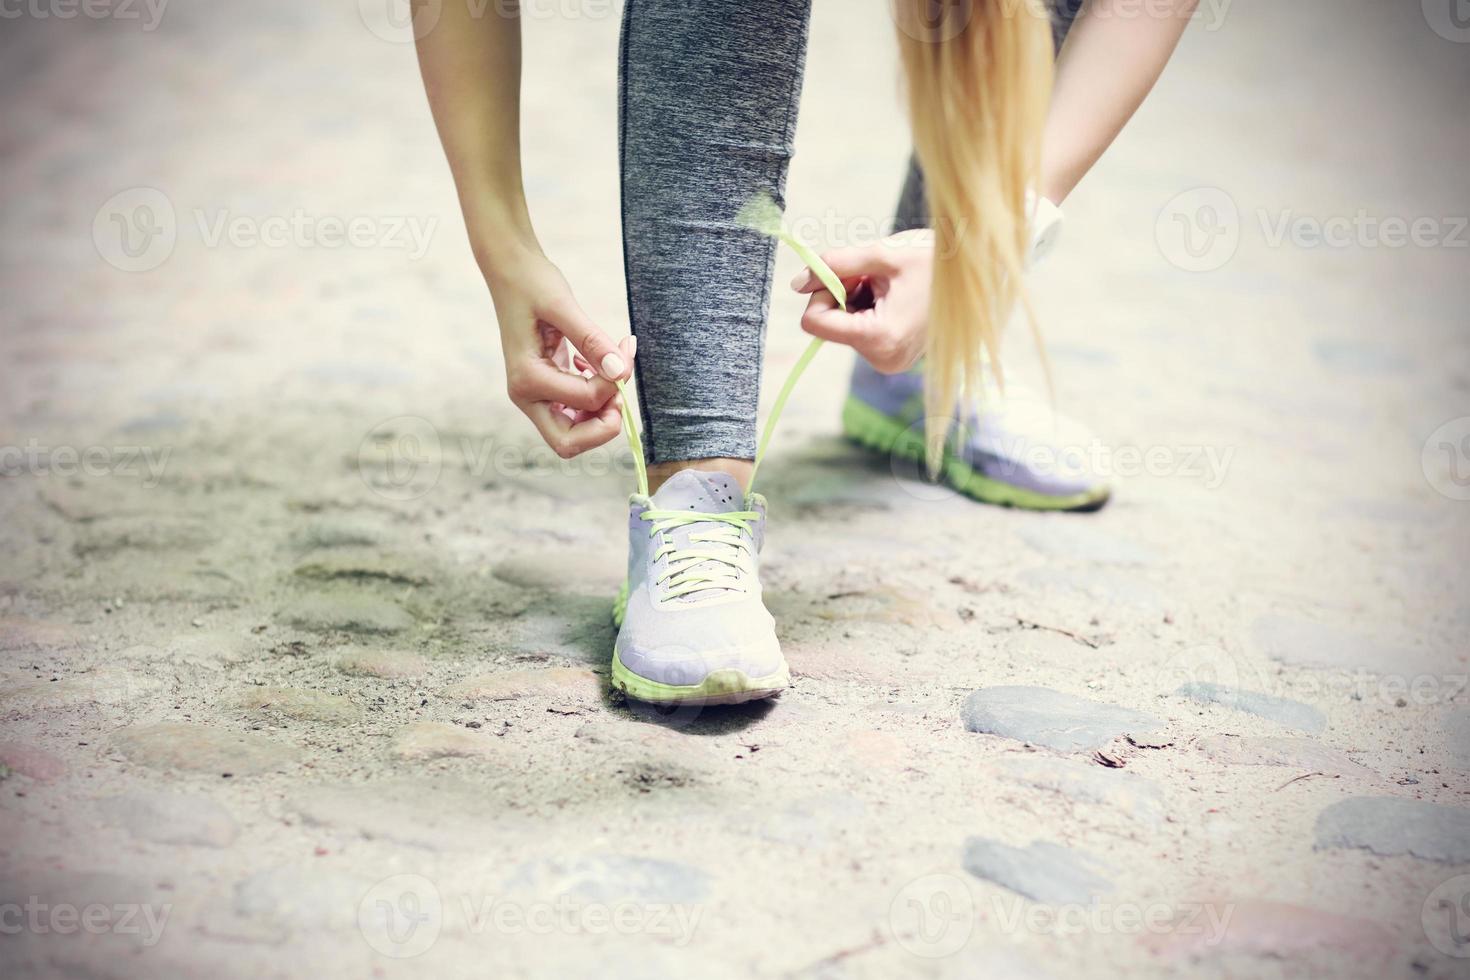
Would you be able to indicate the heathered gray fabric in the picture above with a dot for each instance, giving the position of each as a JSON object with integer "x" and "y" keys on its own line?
{"x": 709, "y": 93}
{"x": 707, "y": 115}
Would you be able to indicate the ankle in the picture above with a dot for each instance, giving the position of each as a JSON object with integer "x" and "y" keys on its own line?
{"x": 740, "y": 469}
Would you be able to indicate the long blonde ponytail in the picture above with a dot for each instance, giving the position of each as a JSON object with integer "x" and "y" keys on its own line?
{"x": 978, "y": 76}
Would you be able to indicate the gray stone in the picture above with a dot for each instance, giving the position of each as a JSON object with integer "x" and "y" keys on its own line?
{"x": 426, "y": 740}
{"x": 576, "y": 683}
{"x": 364, "y": 566}
{"x": 171, "y": 818}
{"x": 1306, "y": 643}
{"x": 300, "y": 704}
{"x": 1221, "y": 927}
{"x": 348, "y": 612}
{"x": 1283, "y": 711}
{"x": 1084, "y": 782}
{"x": 105, "y": 685}
{"x": 384, "y": 664}
{"x": 1043, "y": 871}
{"x": 613, "y": 878}
{"x": 1388, "y": 825}
{"x": 31, "y": 634}
{"x": 31, "y": 761}
{"x": 80, "y": 888}
{"x": 199, "y": 748}
{"x": 302, "y": 898}
{"x": 340, "y": 532}
{"x": 1048, "y": 718}
{"x": 150, "y": 532}
{"x": 1300, "y": 753}
{"x": 435, "y": 814}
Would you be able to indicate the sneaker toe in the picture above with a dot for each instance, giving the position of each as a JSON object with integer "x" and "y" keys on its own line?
{"x": 673, "y": 647}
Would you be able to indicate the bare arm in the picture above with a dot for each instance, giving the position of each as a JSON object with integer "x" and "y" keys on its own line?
{"x": 471, "y": 63}
{"x": 1113, "y": 56}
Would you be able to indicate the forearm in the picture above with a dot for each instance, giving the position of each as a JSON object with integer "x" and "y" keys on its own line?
{"x": 471, "y": 66}
{"x": 1112, "y": 58}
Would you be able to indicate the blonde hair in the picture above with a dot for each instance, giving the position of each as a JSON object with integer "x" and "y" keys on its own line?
{"x": 978, "y": 76}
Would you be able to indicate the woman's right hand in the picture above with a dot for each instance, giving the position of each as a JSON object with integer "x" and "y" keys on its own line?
{"x": 573, "y": 405}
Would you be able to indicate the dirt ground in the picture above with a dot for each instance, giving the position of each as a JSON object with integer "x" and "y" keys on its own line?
{"x": 305, "y": 640}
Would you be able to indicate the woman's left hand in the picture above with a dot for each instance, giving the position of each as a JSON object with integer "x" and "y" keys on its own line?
{"x": 887, "y": 315}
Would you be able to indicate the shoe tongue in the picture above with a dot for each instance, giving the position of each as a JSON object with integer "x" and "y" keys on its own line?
{"x": 704, "y": 493}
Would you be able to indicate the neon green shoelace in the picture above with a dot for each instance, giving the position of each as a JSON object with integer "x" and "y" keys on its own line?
{"x": 691, "y": 569}
{"x": 694, "y": 569}
{"x": 761, "y": 215}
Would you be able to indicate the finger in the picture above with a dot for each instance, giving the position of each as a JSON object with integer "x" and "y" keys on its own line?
{"x": 848, "y": 263}
{"x": 824, "y": 318}
{"x": 537, "y": 381}
{"x": 589, "y": 339}
{"x": 567, "y": 439}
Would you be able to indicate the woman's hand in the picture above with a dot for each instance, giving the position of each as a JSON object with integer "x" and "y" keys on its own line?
{"x": 574, "y": 406}
{"x": 887, "y": 317}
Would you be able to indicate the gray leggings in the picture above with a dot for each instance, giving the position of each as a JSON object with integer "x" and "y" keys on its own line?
{"x": 707, "y": 113}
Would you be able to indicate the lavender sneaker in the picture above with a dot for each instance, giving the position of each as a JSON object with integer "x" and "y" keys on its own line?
{"x": 692, "y": 626}
{"x": 1015, "y": 453}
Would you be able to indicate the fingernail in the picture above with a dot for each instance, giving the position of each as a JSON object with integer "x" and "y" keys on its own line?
{"x": 613, "y": 366}
{"x": 802, "y": 278}
{"x": 632, "y": 347}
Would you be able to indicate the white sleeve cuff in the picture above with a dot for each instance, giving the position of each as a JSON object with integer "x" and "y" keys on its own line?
{"x": 1046, "y": 226}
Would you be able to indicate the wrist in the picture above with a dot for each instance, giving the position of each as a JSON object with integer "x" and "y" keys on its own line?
{"x": 500, "y": 253}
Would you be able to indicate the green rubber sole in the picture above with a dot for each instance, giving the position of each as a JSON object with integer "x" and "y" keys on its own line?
{"x": 720, "y": 687}
{"x": 873, "y": 430}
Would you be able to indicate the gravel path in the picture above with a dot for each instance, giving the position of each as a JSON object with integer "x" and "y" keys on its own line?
{"x": 304, "y": 642}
